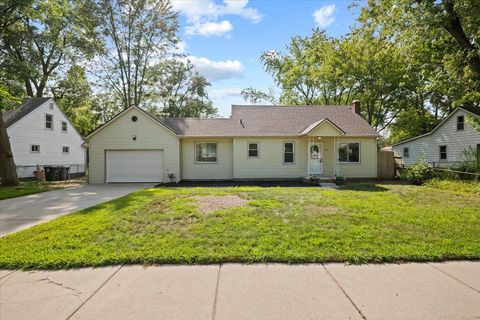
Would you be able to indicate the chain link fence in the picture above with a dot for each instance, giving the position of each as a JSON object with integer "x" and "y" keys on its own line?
{"x": 76, "y": 170}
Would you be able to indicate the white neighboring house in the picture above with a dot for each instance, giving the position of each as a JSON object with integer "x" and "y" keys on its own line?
{"x": 41, "y": 134}
{"x": 444, "y": 145}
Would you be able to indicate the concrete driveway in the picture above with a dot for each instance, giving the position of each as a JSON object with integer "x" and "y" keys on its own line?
{"x": 23, "y": 212}
{"x": 424, "y": 291}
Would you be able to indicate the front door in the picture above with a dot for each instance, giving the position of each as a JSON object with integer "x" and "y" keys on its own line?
{"x": 315, "y": 159}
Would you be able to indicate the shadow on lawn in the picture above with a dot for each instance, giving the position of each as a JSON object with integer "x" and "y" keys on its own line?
{"x": 363, "y": 187}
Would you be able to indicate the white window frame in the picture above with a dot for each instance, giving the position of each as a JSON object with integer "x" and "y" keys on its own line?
{"x": 66, "y": 126}
{"x": 205, "y": 162}
{"x": 440, "y": 152}
{"x": 407, "y": 153}
{"x": 35, "y": 145}
{"x": 283, "y": 152}
{"x": 359, "y": 152}
{"x": 248, "y": 149}
{"x": 463, "y": 122}
{"x": 51, "y": 122}
{"x": 63, "y": 150}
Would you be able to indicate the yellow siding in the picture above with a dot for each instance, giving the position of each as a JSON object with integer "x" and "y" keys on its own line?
{"x": 270, "y": 164}
{"x": 222, "y": 170}
{"x": 118, "y": 135}
{"x": 326, "y": 129}
{"x": 367, "y": 168}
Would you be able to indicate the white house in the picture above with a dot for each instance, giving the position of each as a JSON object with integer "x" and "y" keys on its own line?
{"x": 444, "y": 145}
{"x": 41, "y": 134}
{"x": 255, "y": 142}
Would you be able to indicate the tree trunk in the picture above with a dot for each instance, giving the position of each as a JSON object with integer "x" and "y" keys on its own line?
{"x": 8, "y": 170}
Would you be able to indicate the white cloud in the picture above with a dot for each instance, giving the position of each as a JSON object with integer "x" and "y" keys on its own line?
{"x": 209, "y": 28}
{"x": 203, "y": 14}
{"x": 217, "y": 70}
{"x": 226, "y": 92}
{"x": 324, "y": 16}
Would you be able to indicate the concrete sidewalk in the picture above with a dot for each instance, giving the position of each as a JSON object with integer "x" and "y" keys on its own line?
{"x": 235, "y": 291}
{"x": 23, "y": 212}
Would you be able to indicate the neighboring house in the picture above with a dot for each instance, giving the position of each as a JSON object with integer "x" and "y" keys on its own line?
{"x": 444, "y": 145}
{"x": 256, "y": 142}
{"x": 41, "y": 134}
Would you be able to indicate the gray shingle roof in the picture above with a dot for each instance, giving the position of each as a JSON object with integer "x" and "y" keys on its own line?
{"x": 271, "y": 121}
{"x": 20, "y": 111}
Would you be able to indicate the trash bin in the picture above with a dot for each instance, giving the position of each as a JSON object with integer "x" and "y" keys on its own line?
{"x": 51, "y": 173}
{"x": 63, "y": 173}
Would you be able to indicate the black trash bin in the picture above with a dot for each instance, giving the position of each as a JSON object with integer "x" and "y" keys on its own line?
{"x": 50, "y": 173}
{"x": 63, "y": 173}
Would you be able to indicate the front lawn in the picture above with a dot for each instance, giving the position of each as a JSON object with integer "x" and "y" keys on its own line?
{"x": 358, "y": 223}
{"x": 31, "y": 187}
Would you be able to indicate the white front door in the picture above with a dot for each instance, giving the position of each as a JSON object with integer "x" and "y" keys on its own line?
{"x": 315, "y": 158}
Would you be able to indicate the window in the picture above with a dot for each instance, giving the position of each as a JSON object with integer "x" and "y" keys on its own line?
{"x": 478, "y": 150}
{"x": 443, "y": 152}
{"x": 460, "y": 123}
{"x": 406, "y": 152}
{"x": 64, "y": 126}
{"x": 206, "y": 152}
{"x": 288, "y": 152}
{"x": 349, "y": 152}
{"x": 34, "y": 148}
{"x": 253, "y": 149}
{"x": 65, "y": 149}
{"x": 49, "y": 121}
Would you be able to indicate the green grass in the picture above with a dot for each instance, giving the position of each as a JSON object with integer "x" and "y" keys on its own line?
{"x": 25, "y": 188}
{"x": 455, "y": 185}
{"x": 358, "y": 223}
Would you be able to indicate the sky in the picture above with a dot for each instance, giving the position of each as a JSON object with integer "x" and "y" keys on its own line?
{"x": 225, "y": 38}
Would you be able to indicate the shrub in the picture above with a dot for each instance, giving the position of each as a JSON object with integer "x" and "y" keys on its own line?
{"x": 418, "y": 173}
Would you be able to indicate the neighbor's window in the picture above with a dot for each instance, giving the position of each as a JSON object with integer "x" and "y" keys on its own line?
{"x": 288, "y": 152}
{"x": 65, "y": 149}
{"x": 253, "y": 149}
{"x": 478, "y": 150}
{"x": 406, "y": 152}
{"x": 460, "y": 123}
{"x": 35, "y": 148}
{"x": 349, "y": 152}
{"x": 64, "y": 126}
{"x": 443, "y": 152}
{"x": 206, "y": 152}
{"x": 49, "y": 121}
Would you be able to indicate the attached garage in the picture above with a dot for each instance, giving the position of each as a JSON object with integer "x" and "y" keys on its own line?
{"x": 134, "y": 165}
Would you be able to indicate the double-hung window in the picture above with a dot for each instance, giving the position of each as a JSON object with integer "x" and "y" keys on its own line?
{"x": 289, "y": 152}
{"x": 253, "y": 150}
{"x": 206, "y": 152}
{"x": 349, "y": 152}
{"x": 443, "y": 152}
{"x": 406, "y": 152}
{"x": 49, "y": 121}
{"x": 64, "y": 126}
{"x": 461, "y": 123}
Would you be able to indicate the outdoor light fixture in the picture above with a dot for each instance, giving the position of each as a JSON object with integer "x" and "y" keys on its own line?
{"x": 134, "y": 137}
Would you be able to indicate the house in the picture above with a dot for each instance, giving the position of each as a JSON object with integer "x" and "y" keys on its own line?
{"x": 255, "y": 142}
{"x": 446, "y": 143}
{"x": 41, "y": 134}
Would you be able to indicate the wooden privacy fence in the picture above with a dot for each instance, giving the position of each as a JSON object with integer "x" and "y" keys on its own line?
{"x": 385, "y": 165}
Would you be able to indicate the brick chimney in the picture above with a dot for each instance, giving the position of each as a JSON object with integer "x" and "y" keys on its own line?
{"x": 356, "y": 106}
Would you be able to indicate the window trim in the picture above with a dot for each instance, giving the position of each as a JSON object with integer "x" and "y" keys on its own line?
{"x": 196, "y": 143}
{"x": 406, "y": 154}
{"x": 440, "y": 153}
{"x": 66, "y": 126}
{"x": 45, "y": 121}
{"x": 359, "y": 152}
{"x": 68, "y": 149}
{"x": 293, "y": 153}
{"x": 35, "y": 151}
{"x": 462, "y": 123}
{"x": 248, "y": 149}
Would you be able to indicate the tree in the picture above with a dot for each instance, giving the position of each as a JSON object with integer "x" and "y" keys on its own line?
{"x": 256, "y": 96}
{"x": 44, "y": 37}
{"x": 175, "y": 89}
{"x": 74, "y": 96}
{"x": 8, "y": 170}
{"x": 137, "y": 35}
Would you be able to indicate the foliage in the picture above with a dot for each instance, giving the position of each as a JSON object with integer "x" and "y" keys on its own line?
{"x": 474, "y": 122}
{"x": 456, "y": 186}
{"x": 470, "y": 160}
{"x": 356, "y": 223}
{"x": 137, "y": 34}
{"x": 253, "y": 95}
{"x": 418, "y": 173}
{"x": 175, "y": 89}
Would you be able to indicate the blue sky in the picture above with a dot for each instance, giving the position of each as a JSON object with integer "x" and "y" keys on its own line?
{"x": 224, "y": 38}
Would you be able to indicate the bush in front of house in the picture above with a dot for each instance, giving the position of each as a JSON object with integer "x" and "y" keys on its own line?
{"x": 418, "y": 173}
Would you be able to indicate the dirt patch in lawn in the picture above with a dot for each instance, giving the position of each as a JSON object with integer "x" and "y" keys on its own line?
{"x": 208, "y": 204}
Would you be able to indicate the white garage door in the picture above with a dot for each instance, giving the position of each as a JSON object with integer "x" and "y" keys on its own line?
{"x": 135, "y": 166}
